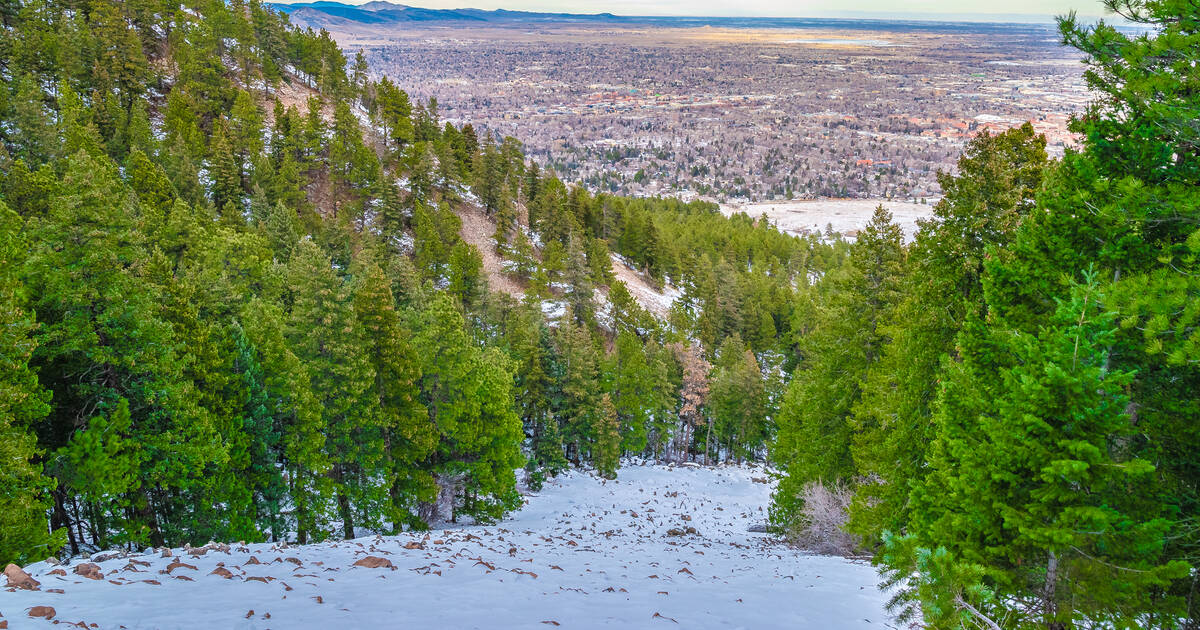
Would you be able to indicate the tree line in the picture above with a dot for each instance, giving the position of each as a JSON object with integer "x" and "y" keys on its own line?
{"x": 236, "y": 303}
{"x": 1012, "y": 398}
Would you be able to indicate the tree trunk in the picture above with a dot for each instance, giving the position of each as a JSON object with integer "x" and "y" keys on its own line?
{"x": 1050, "y": 601}
{"x": 708, "y": 441}
{"x": 60, "y": 519}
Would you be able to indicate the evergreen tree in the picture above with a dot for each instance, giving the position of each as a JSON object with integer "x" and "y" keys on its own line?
{"x": 408, "y": 435}
{"x": 606, "y": 454}
{"x": 24, "y": 500}
{"x": 322, "y": 329}
{"x": 983, "y": 206}
{"x": 468, "y": 394}
{"x": 815, "y": 423}
{"x": 738, "y": 401}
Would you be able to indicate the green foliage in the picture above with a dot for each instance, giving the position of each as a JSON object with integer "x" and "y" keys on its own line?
{"x": 848, "y": 307}
{"x": 738, "y": 402}
{"x": 24, "y": 489}
{"x": 607, "y": 451}
{"x": 983, "y": 206}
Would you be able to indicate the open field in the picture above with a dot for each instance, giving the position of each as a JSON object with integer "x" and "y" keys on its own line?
{"x": 846, "y": 216}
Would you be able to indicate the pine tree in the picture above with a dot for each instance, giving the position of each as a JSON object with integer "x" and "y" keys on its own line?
{"x": 110, "y": 345}
{"x": 408, "y": 434}
{"x": 580, "y": 290}
{"x": 226, "y": 176}
{"x": 632, "y": 391}
{"x": 738, "y": 401}
{"x": 983, "y": 207}
{"x": 606, "y": 454}
{"x": 25, "y": 500}
{"x": 468, "y": 393}
{"x": 291, "y": 399}
{"x": 815, "y": 423}
{"x": 1046, "y": 468}
{"x": 322, "y": 329}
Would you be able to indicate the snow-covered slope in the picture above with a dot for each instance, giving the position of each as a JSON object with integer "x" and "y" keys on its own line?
{"x": 582, "y": 553}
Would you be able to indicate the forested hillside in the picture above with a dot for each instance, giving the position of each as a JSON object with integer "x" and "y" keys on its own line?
{"x": 1012, "y": 400}
{"x": 236, "y": 304}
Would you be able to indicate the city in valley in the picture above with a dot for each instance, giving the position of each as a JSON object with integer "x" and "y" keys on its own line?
{"x": 738, "y": 111}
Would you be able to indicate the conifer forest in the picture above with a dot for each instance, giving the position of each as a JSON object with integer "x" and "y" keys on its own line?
{"x": 240, "y": 300}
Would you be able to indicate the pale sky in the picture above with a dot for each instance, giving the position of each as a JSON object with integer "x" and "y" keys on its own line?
{"x": 779, "y": 8}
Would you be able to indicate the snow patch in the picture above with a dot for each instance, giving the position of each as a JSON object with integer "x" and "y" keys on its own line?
{"x": 657, "y": 545}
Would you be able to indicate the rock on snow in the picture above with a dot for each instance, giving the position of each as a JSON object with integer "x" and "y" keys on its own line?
{"x": 660, "y": 547}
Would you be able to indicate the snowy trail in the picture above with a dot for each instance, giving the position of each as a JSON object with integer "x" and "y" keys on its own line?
{"x": 583, "y": 553}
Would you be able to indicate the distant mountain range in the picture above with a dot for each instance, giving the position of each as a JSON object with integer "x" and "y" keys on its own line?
{"x": 325, "y": 14}
{"x": 338, "y": 15}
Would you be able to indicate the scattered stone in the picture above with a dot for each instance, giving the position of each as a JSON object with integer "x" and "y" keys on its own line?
{"x": 89, "y": 571}
{"x": 414, "y": 545}
{"x": 179, "y": 565}
{"x": 223, "y": 572}
{"x": 375, "y": 562}
{"x": 18, "y": 578}
{"x": 253, "y": 560}
{"x": 44, "y": 612}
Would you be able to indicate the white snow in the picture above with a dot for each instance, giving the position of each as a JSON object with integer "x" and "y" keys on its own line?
{"x": 582, "y": 553}
{"x": 847, "y": 216}
{"x": 657, "y": 301}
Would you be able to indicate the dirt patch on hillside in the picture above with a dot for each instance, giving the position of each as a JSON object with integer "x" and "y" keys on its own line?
{"x": 477, "y": 229}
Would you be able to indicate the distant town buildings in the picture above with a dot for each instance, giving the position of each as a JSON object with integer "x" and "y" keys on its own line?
{"x": 750, "y": 116}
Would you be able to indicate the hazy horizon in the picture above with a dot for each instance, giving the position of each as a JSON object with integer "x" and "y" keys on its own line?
{"x": 967, "y": 10}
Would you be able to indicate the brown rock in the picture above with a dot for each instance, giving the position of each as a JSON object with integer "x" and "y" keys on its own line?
{"x": 414, "y": 545}
{"x": 375, "y": 562}
{"x": 89, "y": 571}
{"x": 253, "y": 560}
{"x": 295, "y": 561}
{"x": 56, "y": 572}
{"x": 18, "y": 578}
{"x": 179, "y": 565}
{"x": 3, "y": 624}
{"x": 223, "y": 572}
{"x": 45, "y": 612}
{"x": 56, "y": 590}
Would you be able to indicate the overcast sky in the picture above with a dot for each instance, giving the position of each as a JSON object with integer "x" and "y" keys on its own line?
{"x": 777, "y": 8}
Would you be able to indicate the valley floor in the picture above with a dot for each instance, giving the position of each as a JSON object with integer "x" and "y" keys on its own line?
{"x": 582, "y": 553}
